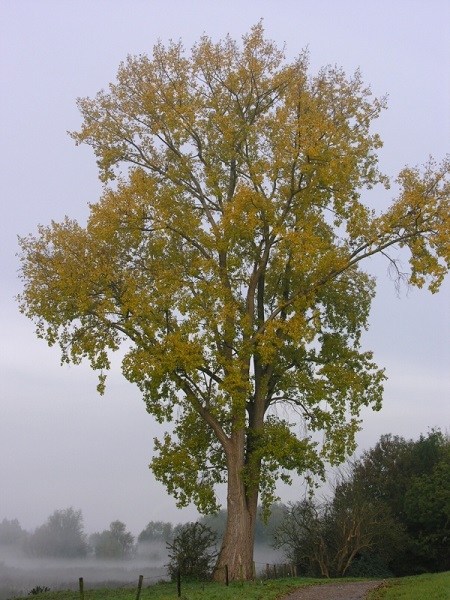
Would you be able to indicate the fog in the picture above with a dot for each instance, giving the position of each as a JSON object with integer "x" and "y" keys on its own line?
{"x": 19, "y": 574}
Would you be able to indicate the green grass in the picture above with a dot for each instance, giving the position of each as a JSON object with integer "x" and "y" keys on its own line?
{"x": 265, "y": 590}
{"x": 423, "y": 587}
{"x": 434, "y": 586}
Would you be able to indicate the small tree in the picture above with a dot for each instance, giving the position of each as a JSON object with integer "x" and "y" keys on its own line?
{"x": 192, "y": 552}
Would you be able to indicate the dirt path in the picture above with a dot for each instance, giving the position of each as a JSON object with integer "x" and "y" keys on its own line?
{"x": 353, "y": 590}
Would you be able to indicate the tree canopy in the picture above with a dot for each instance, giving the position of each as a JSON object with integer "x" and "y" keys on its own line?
{"x": 225, "y": 256}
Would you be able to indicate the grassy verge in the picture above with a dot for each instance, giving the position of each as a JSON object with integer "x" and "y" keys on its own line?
{"x": 434, "y": 586}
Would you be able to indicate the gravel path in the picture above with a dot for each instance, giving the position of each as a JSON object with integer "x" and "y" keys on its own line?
{"x": 353, "y": 590}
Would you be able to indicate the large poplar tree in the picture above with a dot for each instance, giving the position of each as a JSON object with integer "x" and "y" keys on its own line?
{"x": 225, "y": 256}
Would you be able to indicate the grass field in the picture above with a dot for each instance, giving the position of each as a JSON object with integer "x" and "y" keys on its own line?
{"x": 422, "y": 587}
{"x": 262, "y": 590}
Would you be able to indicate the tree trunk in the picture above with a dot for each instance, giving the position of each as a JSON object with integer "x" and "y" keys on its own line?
{"x": 236, "y": 552}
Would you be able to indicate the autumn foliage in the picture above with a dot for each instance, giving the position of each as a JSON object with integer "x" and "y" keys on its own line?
{"x": 225, "y": 256}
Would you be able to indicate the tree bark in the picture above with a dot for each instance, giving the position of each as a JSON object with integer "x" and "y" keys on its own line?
{"x": 237, "y": 545}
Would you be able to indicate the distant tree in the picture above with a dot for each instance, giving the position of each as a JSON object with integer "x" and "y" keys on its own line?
{"x": 192, "y": 552}
{"x": 156, "y": 531}
{"x": 228, "y": 260}
{"x": 104, "y": 545}
{"x": 217, "y": 522}
{"x": 61, "y": 536}
{"x": 124, "y": 538}
{"x": 267, "y": 523}
{"x": 11, "y": 533}
{"x": 115, "y": 542}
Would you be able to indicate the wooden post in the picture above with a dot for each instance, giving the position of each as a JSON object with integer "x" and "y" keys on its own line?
{"x": 294, "y": 570}
{"x": 275, "y": 571}
{"x": 80, "y": 580}
{"x": 268, "y": 570}
{"x": 179, "y": 584}
{"x": 138, "y": 593}
{"x": 226, "y": 575}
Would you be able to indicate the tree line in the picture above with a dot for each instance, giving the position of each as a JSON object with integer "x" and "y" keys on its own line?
{"x": 63, "y": 536}
{"x": 388, "y": 515}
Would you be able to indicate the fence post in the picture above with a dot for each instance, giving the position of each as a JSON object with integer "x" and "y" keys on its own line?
{"x": 268, "y": 570}
{"x": 226, "y": 575}
{"x": 80, "y": 581}
{"x": 138, "y": 593}
{"x": 275, "y": 571}
{"x": 179, "y": 583}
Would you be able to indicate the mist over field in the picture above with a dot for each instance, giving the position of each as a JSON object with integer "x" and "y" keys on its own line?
{"x": 57, "y": 553}
{"x": 19, "y": 573}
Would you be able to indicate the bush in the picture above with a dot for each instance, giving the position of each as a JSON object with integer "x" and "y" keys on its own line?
{"x": 192, "y": 552}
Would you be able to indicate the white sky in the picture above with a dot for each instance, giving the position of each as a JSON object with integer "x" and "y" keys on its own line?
{"x": 63, "y": 445}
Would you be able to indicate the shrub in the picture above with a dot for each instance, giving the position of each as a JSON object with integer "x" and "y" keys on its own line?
{"x": 192, "y": 552}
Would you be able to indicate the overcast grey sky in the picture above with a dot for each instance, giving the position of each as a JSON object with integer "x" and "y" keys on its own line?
{"x": 61, "y": 444}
